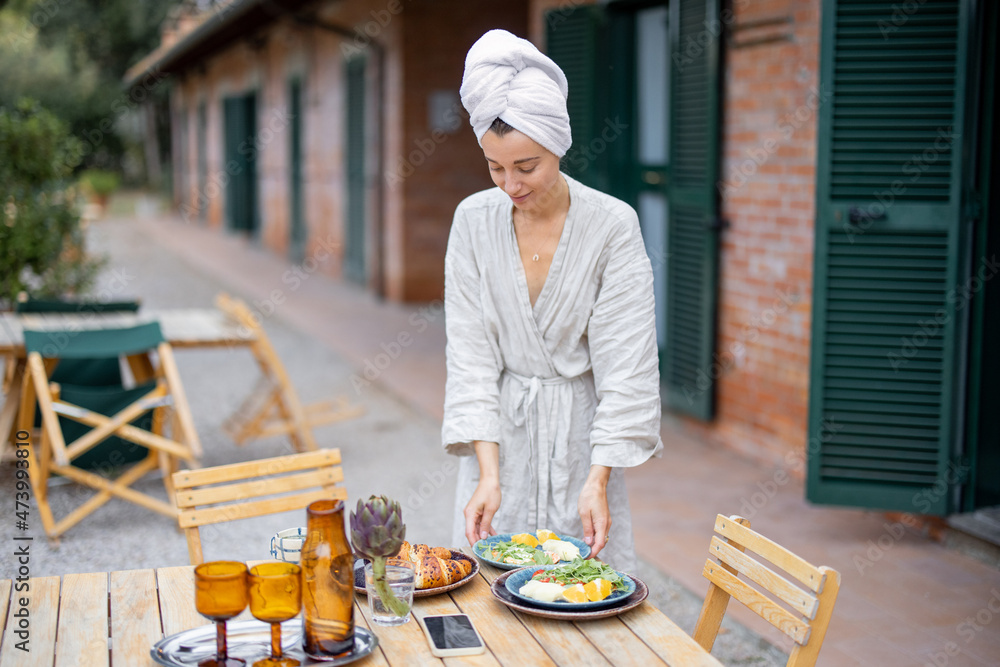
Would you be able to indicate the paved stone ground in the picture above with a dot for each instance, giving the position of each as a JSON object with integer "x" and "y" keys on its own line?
{"x": 391, "y": 449}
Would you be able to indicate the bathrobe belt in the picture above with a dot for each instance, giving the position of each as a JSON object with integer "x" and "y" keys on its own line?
{"x": 541, "y": 440}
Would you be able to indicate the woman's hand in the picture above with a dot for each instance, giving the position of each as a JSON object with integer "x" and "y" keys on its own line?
{"x": 485, "y": 499}
{"x": 479, "y": 512}
{"x": 593, "y": 508}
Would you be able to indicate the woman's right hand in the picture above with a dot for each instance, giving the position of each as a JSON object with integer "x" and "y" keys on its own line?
{"x": 479, "y": 512}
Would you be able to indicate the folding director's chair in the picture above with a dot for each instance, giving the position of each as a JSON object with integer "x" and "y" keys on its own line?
{"x": 75, "y": 418}
{"x": 82, "y": 371}
{"x": 273, "y": 407}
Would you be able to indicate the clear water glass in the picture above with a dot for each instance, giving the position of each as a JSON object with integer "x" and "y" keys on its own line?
{"x": 401, "y": 583}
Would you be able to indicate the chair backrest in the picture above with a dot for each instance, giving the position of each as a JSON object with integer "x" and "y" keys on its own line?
{"x": 93, "y": 343}
{"x": 799, "y": 604}
{"x": 263, "y": 350}
{"x": 255, "y": 488}
{"x": 84, "y": 371}
{"x": 26, "y": 304}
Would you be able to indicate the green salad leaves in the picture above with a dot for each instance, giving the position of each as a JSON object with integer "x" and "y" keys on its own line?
{"x": 517, "y": 554}
{"x": 581, "y": 571}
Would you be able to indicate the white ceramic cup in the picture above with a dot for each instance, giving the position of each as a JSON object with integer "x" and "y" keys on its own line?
{"x": 286, "y": 545}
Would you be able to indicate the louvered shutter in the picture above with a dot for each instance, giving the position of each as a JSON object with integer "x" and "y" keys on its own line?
{"x": 574, "y": 40}
{"x": 888, "y": 313}
{"x": 234, "y": 132}
{"x": 689, "y": 369}
{"x": 354, "y": 257}
{"x": 239, "y": 133}
{"x": 201, "y": 199}
{"x": 297, "y": 235}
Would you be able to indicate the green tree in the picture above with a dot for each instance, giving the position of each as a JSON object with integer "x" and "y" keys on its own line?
{"x": 41, "y": 243}
{"x": 71, "y": 55}
{"x": 111, "y": 34}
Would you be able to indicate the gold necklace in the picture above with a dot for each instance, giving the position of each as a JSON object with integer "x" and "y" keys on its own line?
{"x": 534, "y": 258}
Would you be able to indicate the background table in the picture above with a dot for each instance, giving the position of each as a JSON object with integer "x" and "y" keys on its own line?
{"x": 103, "y": 620}
{"x": 182, "y": 328}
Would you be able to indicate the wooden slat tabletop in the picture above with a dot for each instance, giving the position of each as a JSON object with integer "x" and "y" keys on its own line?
{"x": 182, "y": 327}
{"x": 114, "y": 619}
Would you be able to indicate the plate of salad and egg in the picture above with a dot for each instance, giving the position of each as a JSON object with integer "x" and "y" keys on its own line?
{"x": 578, "y": 585}
{"x": 509, "y": 551}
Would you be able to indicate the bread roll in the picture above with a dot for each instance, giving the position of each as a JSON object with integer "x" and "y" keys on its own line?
{"x": 432, "y": 572}
{"x": 433, "y": 566}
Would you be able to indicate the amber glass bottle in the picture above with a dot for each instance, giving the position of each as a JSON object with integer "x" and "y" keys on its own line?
{"x": 327, "y": 582}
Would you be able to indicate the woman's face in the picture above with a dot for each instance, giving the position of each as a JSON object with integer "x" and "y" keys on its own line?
{"x": 525, "y": 170}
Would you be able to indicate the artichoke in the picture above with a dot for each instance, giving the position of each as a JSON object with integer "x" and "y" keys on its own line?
{"x": 377, "y": 533}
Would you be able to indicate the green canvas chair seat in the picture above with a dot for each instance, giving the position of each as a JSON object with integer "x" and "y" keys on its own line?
{"x": 91, "y": 429}
{"x": 113, "y": 452}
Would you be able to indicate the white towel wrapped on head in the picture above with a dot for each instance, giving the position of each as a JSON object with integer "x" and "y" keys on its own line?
{"x": 506, "y": 77}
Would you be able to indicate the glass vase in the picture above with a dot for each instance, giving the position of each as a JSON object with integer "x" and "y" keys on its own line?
{"x": 401, "y": 582}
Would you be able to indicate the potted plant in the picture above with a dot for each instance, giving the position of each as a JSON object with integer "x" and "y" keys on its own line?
{"x": 100, "y": 184}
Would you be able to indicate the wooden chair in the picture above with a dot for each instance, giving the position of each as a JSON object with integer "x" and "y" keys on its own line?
{"x": 256, "y": 488}
{"x": 76, "y": 420}
{"x": 808, "y": 600}
{"x": 273, "y": 407}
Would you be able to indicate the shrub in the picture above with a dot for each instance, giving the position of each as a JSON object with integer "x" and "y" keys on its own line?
{"x": 41, "y": 243}
{"x": 100, "y": 182}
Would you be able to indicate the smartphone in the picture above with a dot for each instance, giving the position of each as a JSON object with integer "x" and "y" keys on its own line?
{"x": 452, "y": 634}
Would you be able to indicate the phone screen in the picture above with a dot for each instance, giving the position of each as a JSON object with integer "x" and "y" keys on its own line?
{"x": 451, "y": 631}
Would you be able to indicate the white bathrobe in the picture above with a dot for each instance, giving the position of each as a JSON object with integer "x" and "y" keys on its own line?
{"x": 571, "y": 382}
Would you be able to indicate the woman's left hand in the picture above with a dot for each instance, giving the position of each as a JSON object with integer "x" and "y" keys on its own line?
{"x": 593, "y": 508}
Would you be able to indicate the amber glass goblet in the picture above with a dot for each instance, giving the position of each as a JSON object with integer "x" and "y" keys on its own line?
{"x": 220, "y": 593}
{"x": 275, "y": 596}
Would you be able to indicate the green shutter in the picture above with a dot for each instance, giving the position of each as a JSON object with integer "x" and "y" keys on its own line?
{"x": 183, "y": 195}
{"x": 201, "y": 197}
{"x": 239, "y": 134}
{"x": 233, "y": 133}
{"x": 890, "y": 243}
{"x": 297, "y": 224}
{"x": 689, "y": 368}
{"x": 354, "y": 257}
{"x": 575, "y": 39}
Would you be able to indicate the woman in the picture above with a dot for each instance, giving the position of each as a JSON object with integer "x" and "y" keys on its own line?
{"x": 553, "y": 383}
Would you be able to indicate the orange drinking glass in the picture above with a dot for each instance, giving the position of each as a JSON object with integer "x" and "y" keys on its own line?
{"x": 275, "y": 596}
{"x": 220, "y": 593}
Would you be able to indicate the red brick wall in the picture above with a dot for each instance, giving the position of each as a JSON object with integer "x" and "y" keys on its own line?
{"x": 439, "y": 169}
{"x": 424, "y": 174}
{"x": 768, "y": 190}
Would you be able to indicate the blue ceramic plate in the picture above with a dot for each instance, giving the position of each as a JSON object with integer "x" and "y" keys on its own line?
{"x": 519, "y": 578}
{"x": 483, "y": 549}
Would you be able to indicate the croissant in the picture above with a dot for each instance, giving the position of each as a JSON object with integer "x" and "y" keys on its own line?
{"x": 414, "y": 552}
{"x": 433, "y": 566}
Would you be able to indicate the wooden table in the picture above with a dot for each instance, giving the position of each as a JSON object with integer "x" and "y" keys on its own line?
{"x": 71, "y": 624}
{"x": 182, "y": 327}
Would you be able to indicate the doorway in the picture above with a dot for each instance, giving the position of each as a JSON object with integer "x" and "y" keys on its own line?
{"x": 983, "y": 450}
{"x": 242, "y": 211}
